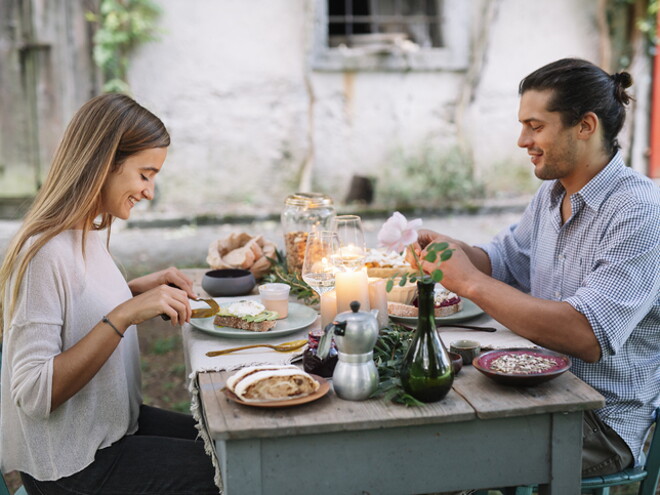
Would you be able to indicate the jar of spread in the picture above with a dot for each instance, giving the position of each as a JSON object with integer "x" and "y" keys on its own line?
{"x": 304, "y": 213}
{"x": 314, "y": 364}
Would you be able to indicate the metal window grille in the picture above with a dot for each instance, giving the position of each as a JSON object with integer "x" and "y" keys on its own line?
{"x": 357, "y": 22}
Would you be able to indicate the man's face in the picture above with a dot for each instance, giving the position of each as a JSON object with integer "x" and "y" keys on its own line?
{"x": 552, "y": 146}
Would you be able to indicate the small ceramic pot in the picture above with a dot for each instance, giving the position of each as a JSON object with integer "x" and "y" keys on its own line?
{"x": 456, "y": 362}
{"x": 228, "y": 282}
{"x": 467, "y": 349}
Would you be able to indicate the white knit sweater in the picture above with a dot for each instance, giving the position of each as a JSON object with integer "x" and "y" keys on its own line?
{"x": 62, "y": 297}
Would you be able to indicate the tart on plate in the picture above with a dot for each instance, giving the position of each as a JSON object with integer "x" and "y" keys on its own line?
{"x": 385, "y": 264}
{"x": 446, "y": 303}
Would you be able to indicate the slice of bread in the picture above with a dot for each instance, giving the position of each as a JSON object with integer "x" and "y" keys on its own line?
{"x": 242, "y": 324}
{"x": 268, "y": 383}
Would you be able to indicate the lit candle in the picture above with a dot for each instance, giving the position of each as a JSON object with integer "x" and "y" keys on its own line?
{"x": 352, "y": 286}
{"x": 378, "y": 299}
{"x": 328, "y": 308}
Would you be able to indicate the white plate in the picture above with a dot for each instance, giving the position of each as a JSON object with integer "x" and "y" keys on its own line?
{"x": 469, "y": 311}
{"x": 300, "y": 316}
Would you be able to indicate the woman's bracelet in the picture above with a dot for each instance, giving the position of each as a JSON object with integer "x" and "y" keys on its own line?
{"x": 105, "y": 320}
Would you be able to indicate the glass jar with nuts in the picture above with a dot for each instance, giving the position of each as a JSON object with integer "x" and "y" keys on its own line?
{"x": 304, "y": 213}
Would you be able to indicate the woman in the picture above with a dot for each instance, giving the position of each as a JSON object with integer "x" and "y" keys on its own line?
{"x": 71, "y": 418}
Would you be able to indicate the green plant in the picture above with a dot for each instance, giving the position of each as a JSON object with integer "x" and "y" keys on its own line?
{"x": 122, "y": 26}
{"x": 389, "y": 351}
{"x": 165, "y": 345}
{"x": 429, "y": 177}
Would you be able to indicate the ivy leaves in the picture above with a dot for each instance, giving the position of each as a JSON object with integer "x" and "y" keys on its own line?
{"x": 122, "y": 25}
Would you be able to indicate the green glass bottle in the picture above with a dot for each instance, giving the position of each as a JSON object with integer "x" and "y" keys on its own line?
{"x": 426, "y": 372}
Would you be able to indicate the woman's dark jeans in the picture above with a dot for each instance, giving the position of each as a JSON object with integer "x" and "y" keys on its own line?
{"x": 162, "y": 458}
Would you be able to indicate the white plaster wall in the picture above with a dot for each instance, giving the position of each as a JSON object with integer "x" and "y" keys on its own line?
{"x": 230, "y": 78}
{"x": 524, "y": 36}
{"x": 226, "y": 77}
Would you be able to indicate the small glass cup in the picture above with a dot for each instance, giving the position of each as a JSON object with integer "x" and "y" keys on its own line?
{"x": 276, "y": 298}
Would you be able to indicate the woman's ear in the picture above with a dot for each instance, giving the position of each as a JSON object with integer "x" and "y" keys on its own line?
{"x": 588, "y": 126}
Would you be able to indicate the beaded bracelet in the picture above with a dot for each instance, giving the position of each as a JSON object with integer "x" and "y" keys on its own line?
{"x": 105, "y": 320}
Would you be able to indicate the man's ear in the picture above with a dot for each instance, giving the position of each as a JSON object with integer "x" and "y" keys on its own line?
{"x": 588, "y": 126}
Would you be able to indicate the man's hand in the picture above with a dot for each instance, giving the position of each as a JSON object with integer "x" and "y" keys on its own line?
{"x": 469, "y": 259}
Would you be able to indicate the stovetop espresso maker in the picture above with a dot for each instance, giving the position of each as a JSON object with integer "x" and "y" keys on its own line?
{"x": 355, "y": 333}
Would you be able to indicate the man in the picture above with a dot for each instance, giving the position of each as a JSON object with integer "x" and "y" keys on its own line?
{"x": 580, "y": 272}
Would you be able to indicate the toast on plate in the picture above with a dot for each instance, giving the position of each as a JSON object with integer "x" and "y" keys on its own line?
{"x": 246, "y": 315}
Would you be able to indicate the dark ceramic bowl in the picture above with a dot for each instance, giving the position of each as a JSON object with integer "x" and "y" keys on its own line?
{"x": 228, "y": 282}
{"x": 484, "y": 363}
{"x": 456, "y": 362}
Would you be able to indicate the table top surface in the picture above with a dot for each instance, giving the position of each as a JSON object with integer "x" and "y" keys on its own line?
{"x": 473, "y": 396}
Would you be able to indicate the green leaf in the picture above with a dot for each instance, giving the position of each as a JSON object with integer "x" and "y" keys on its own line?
{"x": 389, "y": 285}
{"x": 440, "y": 246}
{"x": 431, "y": 256}
{"x": 437, "y": 275}
{"x": 404, "y": 280}
{"x": 446, "y": 255}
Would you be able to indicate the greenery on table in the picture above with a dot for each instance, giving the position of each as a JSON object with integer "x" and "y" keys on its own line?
{"x": 122, "y": 26}
{"x": 280, "y": 274}
{"x": 391, "y": 347}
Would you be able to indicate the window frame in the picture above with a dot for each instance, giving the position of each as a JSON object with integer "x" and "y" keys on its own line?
{"x": 454, "y": 56}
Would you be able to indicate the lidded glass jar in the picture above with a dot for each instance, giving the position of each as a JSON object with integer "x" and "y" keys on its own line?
{"x": 304, "y": 213}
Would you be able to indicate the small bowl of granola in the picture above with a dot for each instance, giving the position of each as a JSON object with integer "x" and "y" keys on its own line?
{"x": 521, "y": 366}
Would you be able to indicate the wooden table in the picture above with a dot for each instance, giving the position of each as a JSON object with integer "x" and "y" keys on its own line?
{"x": 481, "y": 435}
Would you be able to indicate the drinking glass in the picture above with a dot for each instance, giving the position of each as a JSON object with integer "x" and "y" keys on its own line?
{"x": 321, "y": 252}
{"x": 352, "y": 248}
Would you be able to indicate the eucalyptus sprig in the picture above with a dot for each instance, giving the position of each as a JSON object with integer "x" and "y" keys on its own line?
{"x": 435, "y": 252}
{"x": 389, "y": 351}
{"x": 279, "y": 273}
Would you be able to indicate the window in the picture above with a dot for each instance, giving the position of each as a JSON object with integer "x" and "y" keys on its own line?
{"x": 391, "y": 35}
{"x": 362, "y": 22}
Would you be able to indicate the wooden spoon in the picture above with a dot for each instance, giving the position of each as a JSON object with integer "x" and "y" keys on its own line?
{"x": 284, "y": 347}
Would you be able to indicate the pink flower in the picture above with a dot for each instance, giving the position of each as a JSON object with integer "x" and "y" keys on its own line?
{"x": 397, "y": 232}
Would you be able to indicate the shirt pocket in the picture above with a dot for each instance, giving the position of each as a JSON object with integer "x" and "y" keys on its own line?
{"x": 575, "y": 271}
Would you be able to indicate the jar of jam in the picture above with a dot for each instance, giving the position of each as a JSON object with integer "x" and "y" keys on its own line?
{"x": 304, "y": 213}
{"x": 314, "y": 364}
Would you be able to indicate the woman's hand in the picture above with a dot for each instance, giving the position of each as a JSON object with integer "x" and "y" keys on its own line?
{"x": 163, "y": 299}
{"x": 169, "y": 276}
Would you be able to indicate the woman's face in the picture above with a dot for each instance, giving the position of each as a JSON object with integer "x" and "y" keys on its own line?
{"x": 132, "y": 182}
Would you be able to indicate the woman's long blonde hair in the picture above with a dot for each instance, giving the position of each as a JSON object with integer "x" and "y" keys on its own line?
{"x": 101, "y": 136}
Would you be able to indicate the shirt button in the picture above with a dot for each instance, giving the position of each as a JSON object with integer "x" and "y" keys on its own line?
{"x": 558, "y": 294}
{"x": 561, "y": 256}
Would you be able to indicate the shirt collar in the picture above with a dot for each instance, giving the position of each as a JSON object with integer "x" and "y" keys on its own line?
{"x": 597, "y": 189}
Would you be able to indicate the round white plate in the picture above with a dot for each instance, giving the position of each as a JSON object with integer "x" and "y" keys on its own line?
{"x": 469, "y": 311}
{"x": 300, "y": 316}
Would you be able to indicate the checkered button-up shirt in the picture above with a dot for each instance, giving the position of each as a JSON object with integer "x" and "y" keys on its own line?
{"x": 605, "y": 262}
